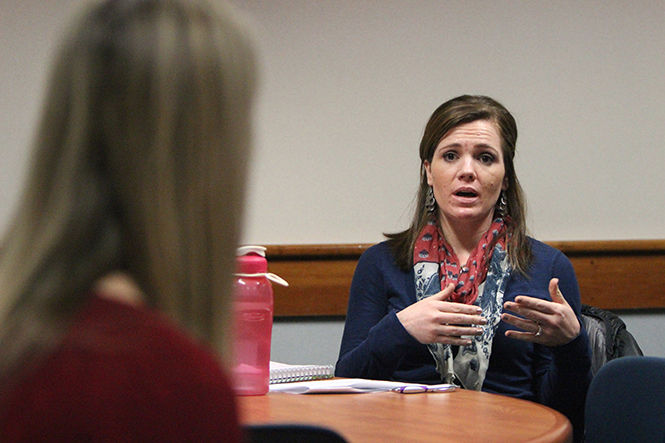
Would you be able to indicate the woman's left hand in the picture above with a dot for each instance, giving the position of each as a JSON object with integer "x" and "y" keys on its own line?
{"x": 550, "y": 323}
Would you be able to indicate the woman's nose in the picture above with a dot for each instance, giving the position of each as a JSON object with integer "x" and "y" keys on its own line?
{"x": 467, "y": 171}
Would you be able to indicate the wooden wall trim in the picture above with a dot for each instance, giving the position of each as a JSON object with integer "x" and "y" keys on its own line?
{"x": 612, "y": 274}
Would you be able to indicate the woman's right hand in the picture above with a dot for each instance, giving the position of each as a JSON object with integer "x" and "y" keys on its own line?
{"x": 436, "y": 320}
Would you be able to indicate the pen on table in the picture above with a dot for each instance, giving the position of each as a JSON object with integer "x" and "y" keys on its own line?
{"x": 418, "y": 389}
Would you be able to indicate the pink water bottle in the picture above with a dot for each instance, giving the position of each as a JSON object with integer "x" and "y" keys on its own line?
{"x": 253, "y": 312}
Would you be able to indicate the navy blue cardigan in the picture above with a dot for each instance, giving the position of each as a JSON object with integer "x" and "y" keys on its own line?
{"x": 376, "y": 345}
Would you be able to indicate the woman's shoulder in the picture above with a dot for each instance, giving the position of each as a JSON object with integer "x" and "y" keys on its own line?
{"x": 378, "y": 260}
{"x": 153, "y": 349}
{"x": 124, "y": 369}
{"x": 548, "y": 257}
{"x": 380, "y": 249}
{"x": 541, "y": 249}
{"x": 380, "y": 254}
{"x": 141, "y": 332}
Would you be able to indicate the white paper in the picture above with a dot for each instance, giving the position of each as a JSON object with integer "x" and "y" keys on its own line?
{"x": 342, "y": 385}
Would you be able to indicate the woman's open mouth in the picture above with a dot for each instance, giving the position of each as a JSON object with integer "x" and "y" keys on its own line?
{"x": 466, "y": 193}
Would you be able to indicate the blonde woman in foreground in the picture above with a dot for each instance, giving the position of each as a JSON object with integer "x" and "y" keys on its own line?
{"x": 125, "y": 234}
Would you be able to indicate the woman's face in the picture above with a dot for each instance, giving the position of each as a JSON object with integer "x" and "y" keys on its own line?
{"x": 467, "y": 174}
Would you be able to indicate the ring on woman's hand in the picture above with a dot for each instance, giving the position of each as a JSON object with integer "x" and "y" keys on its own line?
{"x": 540, "y": 331}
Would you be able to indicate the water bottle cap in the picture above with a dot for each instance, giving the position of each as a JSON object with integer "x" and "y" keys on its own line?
{"x": 251, "y": 249}
{"x": 252, "y": 260}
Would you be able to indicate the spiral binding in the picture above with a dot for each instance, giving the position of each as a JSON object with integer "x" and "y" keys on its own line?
{"x": 301, "y": 373}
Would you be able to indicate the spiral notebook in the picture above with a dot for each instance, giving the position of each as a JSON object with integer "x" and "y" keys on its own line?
{"x": 286, "y": 373}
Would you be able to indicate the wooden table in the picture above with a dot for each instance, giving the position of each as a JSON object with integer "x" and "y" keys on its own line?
{"x": 460, "y": 416}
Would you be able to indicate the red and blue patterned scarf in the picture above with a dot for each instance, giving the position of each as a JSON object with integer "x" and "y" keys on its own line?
{"x": 481, "y": 281}
{"x": 431, "y": 246}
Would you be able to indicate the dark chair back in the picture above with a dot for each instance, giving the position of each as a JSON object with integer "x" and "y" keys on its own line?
{"x": 626, "y": 402}
{"x": 608, "y": 337}
{"x": 290, "y": 433}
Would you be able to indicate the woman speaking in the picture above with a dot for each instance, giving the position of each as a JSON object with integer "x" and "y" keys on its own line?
{"x": 464, "y": 295}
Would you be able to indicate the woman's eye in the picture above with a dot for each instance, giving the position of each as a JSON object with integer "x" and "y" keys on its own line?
{"x": 449, "y": 156}
{"x": 486, "y": 158}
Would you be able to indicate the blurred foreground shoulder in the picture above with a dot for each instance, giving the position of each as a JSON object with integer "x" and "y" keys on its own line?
{"x": 123, "y": 374}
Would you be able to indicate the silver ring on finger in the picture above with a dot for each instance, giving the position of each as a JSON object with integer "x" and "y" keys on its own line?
{"x": 539, "y": 332}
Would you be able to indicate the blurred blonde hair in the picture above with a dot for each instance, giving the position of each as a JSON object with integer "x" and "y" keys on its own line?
{"x": 138, "y": 166}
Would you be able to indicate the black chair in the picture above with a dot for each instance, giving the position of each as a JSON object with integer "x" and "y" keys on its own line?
{"x": 290, "y": 433}
{"x": 626, "y": 402}
{"x": 608, "y": 337}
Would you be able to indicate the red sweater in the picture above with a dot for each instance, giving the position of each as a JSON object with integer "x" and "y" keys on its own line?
{"x": 123, "y": 374}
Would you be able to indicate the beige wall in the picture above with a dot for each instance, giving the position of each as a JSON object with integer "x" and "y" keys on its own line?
{"x": 347, "y": 87}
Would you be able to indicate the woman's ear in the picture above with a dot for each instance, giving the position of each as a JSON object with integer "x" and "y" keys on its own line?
{"x": 428, "y": 171}
{"x": 504, "y": 186}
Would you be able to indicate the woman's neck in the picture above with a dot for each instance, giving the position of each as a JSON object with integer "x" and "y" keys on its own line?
{"x": 463, "y": 236}
{"x": 119, "y": 286}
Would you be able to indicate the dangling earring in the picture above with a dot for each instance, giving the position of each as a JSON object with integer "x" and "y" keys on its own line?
{"x": 430, "y": 201}
{"x": 502, "y": 205}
